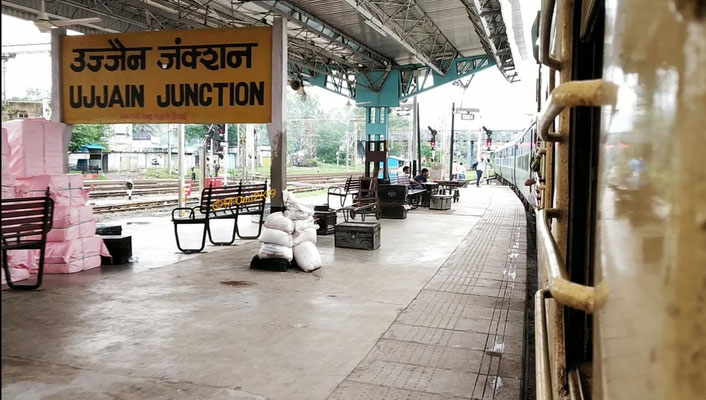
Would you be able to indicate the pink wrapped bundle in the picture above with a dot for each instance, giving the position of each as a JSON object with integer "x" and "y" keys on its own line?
{"x": 67, "y": 252}
{"x": 66, "y": 190}
{"x": 87, "y": 229}
{"x": 63, "y": 252}
{"x": 8, "y": 191}
{"x": 16, "y": 274}
{"x": 73, "y": 266}
{"x": 36, "y": 147}
{"x": 5, "y": 145}
{"x": 66, "y": 216}
{"x": 81, "y": 230}
{"x": 63, "y": 234}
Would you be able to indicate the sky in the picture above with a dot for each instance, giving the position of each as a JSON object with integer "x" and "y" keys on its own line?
{"x": 502, "y": 105}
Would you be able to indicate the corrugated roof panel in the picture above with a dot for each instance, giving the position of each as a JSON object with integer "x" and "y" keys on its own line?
{"x": 449, "y": 15}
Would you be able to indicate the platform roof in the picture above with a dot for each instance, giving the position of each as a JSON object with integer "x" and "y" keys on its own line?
{"x": 338, "y": 38}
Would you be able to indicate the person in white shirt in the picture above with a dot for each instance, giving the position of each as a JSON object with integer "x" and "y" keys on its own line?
{"x": 403, "y": 178}
{"x": 461, "y": 172}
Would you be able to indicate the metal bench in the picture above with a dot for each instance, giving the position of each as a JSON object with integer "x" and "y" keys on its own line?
{"x": 414, "y": 194}
{"x": 25, "y": 224}
{"x": 365, "y": 202}
{"x": 223, "y": 202}
{"x": 351, "y": 188}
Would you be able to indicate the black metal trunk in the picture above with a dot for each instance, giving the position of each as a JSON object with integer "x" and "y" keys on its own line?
{"x": 358, "y": 235}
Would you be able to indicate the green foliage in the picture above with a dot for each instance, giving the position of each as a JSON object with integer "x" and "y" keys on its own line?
{"x": 83, "y": 135}
{"x": 195, "y": 133}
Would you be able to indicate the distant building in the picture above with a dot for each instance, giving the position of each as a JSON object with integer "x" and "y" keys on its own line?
{"x": 21, "y": 110}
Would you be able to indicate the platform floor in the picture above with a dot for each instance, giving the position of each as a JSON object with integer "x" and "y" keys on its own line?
{"x": 436, "y": 313}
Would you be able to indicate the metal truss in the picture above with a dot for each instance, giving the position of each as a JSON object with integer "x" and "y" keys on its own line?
{"x": 414, "y": 81}
{"x": 406, "y": 22}
{"x": 486, "y": 16}
{"x": 318, "y": 53}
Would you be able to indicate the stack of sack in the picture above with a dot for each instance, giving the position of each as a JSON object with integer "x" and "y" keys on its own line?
{"x": 291, "y": 235}
{"x": 35, "y": 161}
{"x": 276, "y": 239}
{"x": 306, "y": 255}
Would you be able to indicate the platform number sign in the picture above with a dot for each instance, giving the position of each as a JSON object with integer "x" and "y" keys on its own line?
{"x": 188, "y": 76}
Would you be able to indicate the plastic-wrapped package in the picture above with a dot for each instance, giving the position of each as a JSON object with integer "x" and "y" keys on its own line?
{"x": 36, "y": 147}
{"x": 16, "y": 274}
{"x": 270, "y": 250}
{"x": 65, "y": 216}
{"x": 65, "y": 252}
{"x": 73, "y": 266}
{"x": 307, "y": 256}
{"x": 279, "y": 222}
{"x": 66, "y": 189}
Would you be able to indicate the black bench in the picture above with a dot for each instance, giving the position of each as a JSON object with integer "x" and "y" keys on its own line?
{"x": 223, "y": 202}
{"x": 25, "y": 224}
{"x": 365, "y": 202}
{"x": 414, "y": 192}
{"x": 351, "y": 188}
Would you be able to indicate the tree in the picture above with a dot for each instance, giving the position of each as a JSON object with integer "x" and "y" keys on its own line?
{"x": 83, "y": 135}
{"x": 195, "y": 133}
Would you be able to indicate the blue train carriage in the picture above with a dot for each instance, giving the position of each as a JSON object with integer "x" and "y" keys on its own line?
{"x": 513, "y": 161}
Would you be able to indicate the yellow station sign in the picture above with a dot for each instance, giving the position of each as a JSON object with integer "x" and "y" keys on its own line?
{"x": 189, "y": 76}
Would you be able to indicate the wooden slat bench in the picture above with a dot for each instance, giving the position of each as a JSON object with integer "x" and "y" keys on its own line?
{"x": 224, "y": 202}
{"x": 351, "y": 188}
{"x": 25, "y": 224}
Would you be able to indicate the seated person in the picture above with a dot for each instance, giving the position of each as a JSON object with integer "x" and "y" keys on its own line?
{"x": 461, "y": 175}
{"x": 422, "y": 177}
{"x": 403, "y": 178}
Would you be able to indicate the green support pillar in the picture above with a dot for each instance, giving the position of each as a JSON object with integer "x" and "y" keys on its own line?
{"x": 376, "y": 134}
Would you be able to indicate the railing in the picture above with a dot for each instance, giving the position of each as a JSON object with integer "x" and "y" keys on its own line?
{"x": 562, "y": 289}
{"x": 596, "y": 92}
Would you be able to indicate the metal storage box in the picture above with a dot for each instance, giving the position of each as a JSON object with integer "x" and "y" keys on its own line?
{"x": 394, "y": 210}
{"x": 358, "y": 235}
{"x": 392, "y": 193}
{"x": 326, "y": 221}
{"x": 440, "y": 202}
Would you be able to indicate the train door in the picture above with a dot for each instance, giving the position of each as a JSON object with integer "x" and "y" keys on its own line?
{"x": 584, "y": 142}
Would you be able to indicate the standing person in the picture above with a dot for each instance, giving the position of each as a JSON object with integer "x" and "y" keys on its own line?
{"x": 217, "y": 166}
{"x": 129, "y": 185}
{"x": 480, "y": 168}
{"x": 193, "y": 174}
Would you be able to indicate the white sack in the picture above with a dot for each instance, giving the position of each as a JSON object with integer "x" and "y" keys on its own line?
{"x": 276, "y": 237}
{"x": 279, "y": 222}
{"x": 269, "y": 250}
{"x": 307, "y": 256}
{"x": 288, "y": 197}
{"x": 308, "y": 235}
{"x": 297, "y": 211}
{"x": 303, "y": 224}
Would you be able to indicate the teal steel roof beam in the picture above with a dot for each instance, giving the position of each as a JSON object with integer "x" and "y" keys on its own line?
{"x": 460, "y": 68}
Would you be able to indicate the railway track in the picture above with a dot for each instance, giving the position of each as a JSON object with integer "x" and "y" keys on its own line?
{"x": 116, "y": 188}
{"x": 138, "y": 205}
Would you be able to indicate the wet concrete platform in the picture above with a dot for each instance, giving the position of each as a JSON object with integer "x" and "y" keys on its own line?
{"x": 436, "y": 312}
